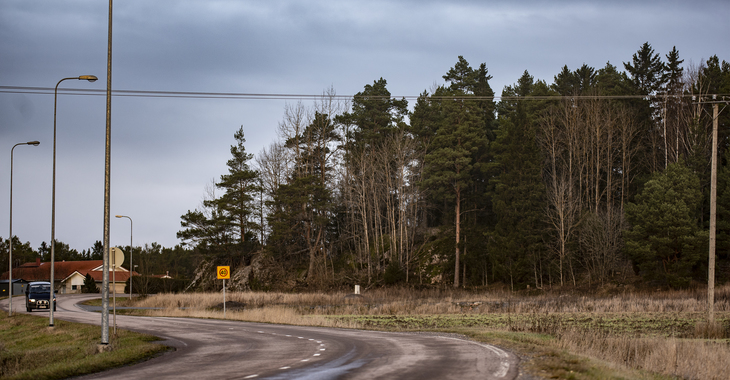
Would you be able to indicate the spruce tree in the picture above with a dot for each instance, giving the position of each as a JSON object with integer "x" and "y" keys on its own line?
{"x": 609, "y": 81}
{"x": 646, "y": 69}
{"x": 566, "y": 82}
{"x": 665, "y": 242}
{"x": 89, "y": 285}
{"x": 518, "y": 194}
{"x": 672, "y": 76}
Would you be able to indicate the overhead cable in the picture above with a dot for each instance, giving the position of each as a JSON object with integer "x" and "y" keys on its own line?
{"x": 263, "y": 96}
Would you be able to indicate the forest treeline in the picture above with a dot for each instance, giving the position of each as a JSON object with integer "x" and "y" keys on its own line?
{"x": 600, "y": 174}
{"x": 597, "y": 176}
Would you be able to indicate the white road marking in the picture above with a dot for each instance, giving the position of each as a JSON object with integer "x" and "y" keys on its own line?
{"x": 305, "y": 360}
{"x": 317, "y": 354}
{"x": 503, "y": 363}
{"x": 285, "y": 367}
{"x": 251, "y": 376}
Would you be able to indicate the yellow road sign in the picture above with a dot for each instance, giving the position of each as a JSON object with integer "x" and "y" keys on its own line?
{"x": 224, "y": 273}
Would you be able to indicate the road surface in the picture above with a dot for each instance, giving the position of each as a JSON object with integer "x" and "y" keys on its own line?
{"x": 218, "y": 349}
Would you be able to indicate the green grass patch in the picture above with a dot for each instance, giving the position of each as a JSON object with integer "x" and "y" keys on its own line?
{"x": 121, "y": 301}
{"x": 29, "y": 349}
{"x": 632, "y": 324}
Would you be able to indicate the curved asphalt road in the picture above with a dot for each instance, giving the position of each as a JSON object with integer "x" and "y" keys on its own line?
{"x": 216, "y": 349}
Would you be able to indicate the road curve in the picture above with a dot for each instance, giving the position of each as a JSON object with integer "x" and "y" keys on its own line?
{"x": 218, "y": 349}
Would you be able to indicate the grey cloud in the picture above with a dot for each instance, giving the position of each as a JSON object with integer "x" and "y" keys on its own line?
{"x": 166, "y": 150}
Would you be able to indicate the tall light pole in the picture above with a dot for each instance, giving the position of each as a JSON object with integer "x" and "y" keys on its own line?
{"x": 131, "y": 267}
{"x": 89, "y": 78}
{"x": 10, "y": 248}
{"x": 107, "y": 189}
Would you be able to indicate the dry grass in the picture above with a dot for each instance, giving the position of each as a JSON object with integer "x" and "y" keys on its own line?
{"x": 425, "y": 302}
{"x": 662, "y": 332}
{"x": 688, "y": 359}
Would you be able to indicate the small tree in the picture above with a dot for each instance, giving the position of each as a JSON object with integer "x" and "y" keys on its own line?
{"x": 665, "y": 241}
{"x": 89, "y": 285}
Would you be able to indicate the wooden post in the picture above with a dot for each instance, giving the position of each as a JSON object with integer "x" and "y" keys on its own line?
{"x": 713, "y": 222}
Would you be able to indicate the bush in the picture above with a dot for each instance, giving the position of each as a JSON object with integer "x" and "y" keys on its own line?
{"x": 393, "y": 273}
{"x": 89, "y": 285}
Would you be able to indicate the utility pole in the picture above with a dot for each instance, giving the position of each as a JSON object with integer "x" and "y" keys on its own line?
{"x": 713, "y": 220}
{"x": 713, "y": 207}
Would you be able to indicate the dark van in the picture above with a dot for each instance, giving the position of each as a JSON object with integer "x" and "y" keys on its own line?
{"x": 37, "y": 296}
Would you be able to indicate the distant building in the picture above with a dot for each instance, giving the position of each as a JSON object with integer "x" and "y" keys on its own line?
{"x": 69, "y": 275}
{"x": 18, "y": 287}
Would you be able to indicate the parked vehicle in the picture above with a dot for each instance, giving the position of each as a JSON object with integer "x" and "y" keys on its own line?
{"x": 38, "y": 295}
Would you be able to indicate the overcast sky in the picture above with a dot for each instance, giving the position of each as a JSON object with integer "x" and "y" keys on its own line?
{"x": 166, "y": 150}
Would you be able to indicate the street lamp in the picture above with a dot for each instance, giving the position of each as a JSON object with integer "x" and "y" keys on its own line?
{"x": 10, "y": 248}
{"x": 107, "y": 190}
{"x": 90, "y": 78}
{"x": 131, "y": 272}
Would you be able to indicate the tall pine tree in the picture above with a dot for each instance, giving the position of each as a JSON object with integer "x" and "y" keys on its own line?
{"x": 454, "y": 156}
{"x": 225, "y": 226}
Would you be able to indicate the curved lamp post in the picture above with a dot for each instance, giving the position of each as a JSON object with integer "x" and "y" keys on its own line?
{"x": 10, "y": 248}
{"x": 131, "y": 267}
{"x": 90, "y": 78}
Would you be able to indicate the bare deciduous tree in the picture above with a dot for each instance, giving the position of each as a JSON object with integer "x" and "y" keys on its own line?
{"x": 601, "y": 242}
{"x": 563, "y": 206}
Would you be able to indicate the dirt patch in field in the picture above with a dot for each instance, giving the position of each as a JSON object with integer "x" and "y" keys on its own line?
{"x": 232, "y": 305}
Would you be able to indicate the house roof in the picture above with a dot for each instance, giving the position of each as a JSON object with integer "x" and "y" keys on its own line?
{"x": 38, "y": 271}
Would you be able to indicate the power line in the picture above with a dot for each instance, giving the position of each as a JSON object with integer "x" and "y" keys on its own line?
{"x": 263, "y": 96}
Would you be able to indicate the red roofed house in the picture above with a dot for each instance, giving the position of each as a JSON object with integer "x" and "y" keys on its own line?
{"x": 69, "y": 275}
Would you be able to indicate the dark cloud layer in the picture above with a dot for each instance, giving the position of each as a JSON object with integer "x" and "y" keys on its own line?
{"x": 166, "y": 150}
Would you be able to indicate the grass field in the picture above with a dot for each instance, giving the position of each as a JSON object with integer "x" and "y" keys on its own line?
{"x": 29, "y": 349}
{"x": 650, "y": 335}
